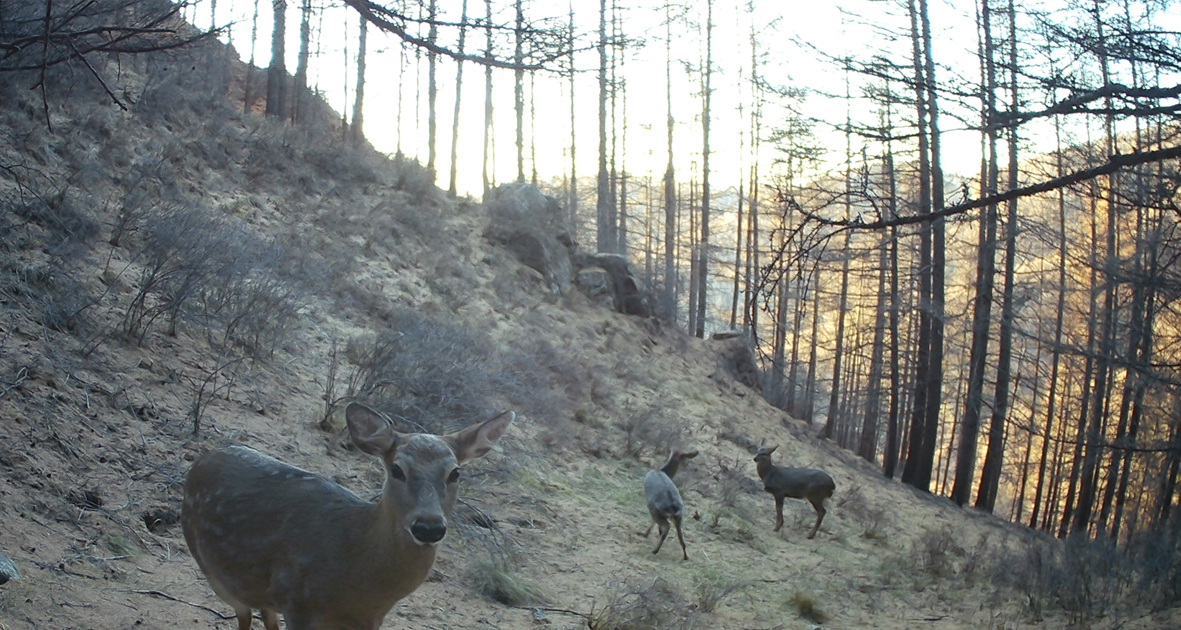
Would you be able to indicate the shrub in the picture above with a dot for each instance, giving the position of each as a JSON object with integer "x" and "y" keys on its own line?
{"x": 432, "y": 375}
{"x": 498, "y": 582}
{"x": 656, "y": 606}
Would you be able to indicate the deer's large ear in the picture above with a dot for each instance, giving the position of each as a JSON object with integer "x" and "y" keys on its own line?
{"x": 772, "y": 449}
{"x": 371, "y": 431}
{"x": 475, "y": 441}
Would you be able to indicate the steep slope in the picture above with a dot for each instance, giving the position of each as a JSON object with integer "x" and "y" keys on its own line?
{"x": 99, "y": 399}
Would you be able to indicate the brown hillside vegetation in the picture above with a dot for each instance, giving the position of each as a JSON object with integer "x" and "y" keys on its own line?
{"x": 182, "y": 276}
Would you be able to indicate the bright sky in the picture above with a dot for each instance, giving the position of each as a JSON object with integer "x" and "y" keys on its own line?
{"x": 864, "y": 28}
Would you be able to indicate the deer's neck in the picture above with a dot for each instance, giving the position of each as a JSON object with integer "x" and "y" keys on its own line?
{"x": 671, "y": 467}
{"x": 395, "y": 562}
{"x": 764, "y": 468}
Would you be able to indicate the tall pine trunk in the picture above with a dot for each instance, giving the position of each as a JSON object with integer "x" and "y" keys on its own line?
{"x": 277, "y": 73}
{"x": 458, "y": 94}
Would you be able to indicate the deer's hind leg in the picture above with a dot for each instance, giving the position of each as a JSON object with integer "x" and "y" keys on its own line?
{"x": 662, "y": 522}
{"x": 677, "y": 521}
{"x": 820, "y": 512}
{"x": 270, "y": 619}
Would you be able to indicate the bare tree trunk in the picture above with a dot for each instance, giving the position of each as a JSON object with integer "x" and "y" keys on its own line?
{"x": 868, "y": 446}
{"x": 890, "y": 457}
{"x": 277, "y": 74}
{"x": 248, "y": 100}
{"x": 810, "y": 388}
{"x": 990, "y": 474}
{"x": 603, "y": 242}
{"x": 741, "y": 198}
{"x": 488, "y": 100}
{"x": 518, "y": 94}
{"x": 670, "y": 223}
{"x": 573, "y": 205}
{"x": 1058, "y": 317}
{"x": 985, "y": 272}
{"x": 458, "y": 93}
{"x": 432, "y": 89}
{"x": 693, "y": 268}
{"x": 1087, "y": 487}
{"x": 933, "y": 402}
{"x": 300, "y": 93}
{"x": 703, "y": 249}
{"x": 911, "y": 472}
{"x": 358, "y": 129}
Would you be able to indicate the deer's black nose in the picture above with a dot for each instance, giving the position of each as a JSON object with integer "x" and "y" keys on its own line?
{"x": 428, "y": 531}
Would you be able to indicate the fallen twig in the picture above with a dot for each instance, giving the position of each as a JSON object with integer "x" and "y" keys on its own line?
{"x": 163, "y": 595}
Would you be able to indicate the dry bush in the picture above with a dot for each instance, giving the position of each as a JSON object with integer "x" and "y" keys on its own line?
{"x": 650, "y": 606}
{"x": 67, "y": 225}
{"x": 713, "y": 590}
{"x": 431, "y": 375}
{"x": 200, "y": 268}
{"x": 872, "y": 519}
{"x": 1157, "y": 555}
{"x": 731, "y": 484}
{"x": 499, "y": 582}
{"x": 937, "y": 552}
{"x": 1087, "y": 578}
{"x": 808, "y": 608}
{"x": 654, "y": 428}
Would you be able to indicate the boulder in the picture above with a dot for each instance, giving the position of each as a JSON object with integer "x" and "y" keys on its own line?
{"x": 595, "y": 283}
{"x": 534, "y": 228}
{"x": 627, "y": 292}
{"x": 738, "y": 357}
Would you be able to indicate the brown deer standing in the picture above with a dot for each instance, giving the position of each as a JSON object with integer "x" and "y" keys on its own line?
{"x": 275, "y": 538}
{"x": 664, "y": 500}
{"x": 797, "y": 483}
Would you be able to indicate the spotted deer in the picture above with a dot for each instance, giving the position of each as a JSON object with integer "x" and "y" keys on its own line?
{"x": 664, "y": 500}
{"x": 797, "y": 483}
{"x": 274, "y": 538}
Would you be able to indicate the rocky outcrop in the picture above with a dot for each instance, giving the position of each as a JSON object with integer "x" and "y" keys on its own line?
{"x": 627, "y": 292}
{"x": 534, "y": 228}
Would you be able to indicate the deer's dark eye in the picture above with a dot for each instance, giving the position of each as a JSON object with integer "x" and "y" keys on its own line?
{"x": 396, "y": 472}
{"x": 454, "y": 476}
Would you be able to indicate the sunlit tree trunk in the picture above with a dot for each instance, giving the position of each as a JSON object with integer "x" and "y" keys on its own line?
{"x": 603, "y": 224}
{"x": 1059, "y": 313}
{"x": 985, "y": 272}
{"x": 277, "y": 73}
{"x": 573, "y": 205}
{"x": 458, "y": 94}
{"x": 518, "y": 88}
{"x": 487, "y": 178}
{"x": 911, "y": 472}
{"x": 432, "y": 89}
{"x": 990, "y": 474}
{"x": 703, "y": 248}
{"x": 670, "y": 217}
{"x": 300, "y": 91}
{"x": 358, "y": 129}
{"x": 248, "y": 99}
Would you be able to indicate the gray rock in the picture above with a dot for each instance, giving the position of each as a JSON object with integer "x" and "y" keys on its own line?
{"x": 7, "y": 569}
{"x": 595, "y": 283}
{"x": 628, "y": 293}
{"x": 535, "y": 229}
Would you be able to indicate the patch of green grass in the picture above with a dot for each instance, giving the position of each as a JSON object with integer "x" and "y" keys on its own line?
{"x": 120, "y": 546}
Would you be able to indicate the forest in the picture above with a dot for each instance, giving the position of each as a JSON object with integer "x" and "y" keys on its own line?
{"x": 949, "y": 233}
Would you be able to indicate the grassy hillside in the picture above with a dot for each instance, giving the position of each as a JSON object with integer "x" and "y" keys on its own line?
{"x": 181, "y": 276}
